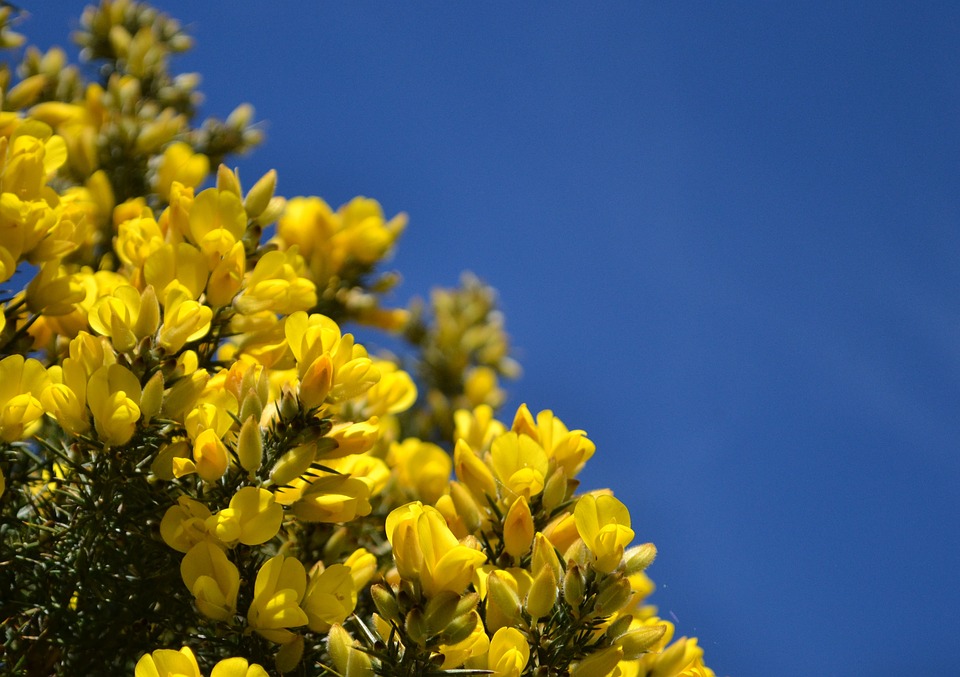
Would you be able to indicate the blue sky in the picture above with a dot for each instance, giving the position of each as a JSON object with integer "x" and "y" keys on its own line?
{"x": 726, "y": 238}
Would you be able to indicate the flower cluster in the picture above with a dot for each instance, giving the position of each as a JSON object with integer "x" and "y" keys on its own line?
{"x": 200, "y": 470}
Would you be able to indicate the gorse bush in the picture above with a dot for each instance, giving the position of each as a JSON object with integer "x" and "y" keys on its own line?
{"x": 202, "y": 473}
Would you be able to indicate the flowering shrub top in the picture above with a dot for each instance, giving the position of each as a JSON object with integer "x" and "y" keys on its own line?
{"x": 201, "y": 470}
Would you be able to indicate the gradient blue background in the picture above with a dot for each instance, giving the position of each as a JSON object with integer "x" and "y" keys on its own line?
{"x": 726, "y": 239}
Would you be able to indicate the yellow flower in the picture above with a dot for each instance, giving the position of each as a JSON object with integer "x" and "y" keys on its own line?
{"x": 393, "y": 394}
{"x": 354, "y": 438}
{"x": 168, "y": 663}
{"x": 113, "y": 395}
{"x": 568, "y": 449}
{"x": 253, "y": 518}
{"x": 34, "y": 154}
{"x": 279, "y": 589}
{"x": 216, "y": 223}
{"x": 213, "y": 580}
{"x": 425, "y": 548}
{"x": 422, "y": 467}
{"x": 180, "y": 266}
{"x": 21, "y": 383}
{"x": 237, "y": 667}
{"x": 603, "y": 523}
{"x": 180, "y": 163}
{"x": 330, "y": 597}
{"x": 184, "y": 524}
{"x": 509, "y": 653}
{"x": 478, "y": 428}
{"x": 519, "y": 463}
{"x": 682, "y": 658}
{"x": 226, "y": 278}
{"x": 126, "y": 316}
{"x": 138, "y": 239}
{"x": 369, "y": 469}
{"x": 184, "y": 320}
{"x": 210, "y": 458}
{"x": 363, "y": 567}
{"x": 54, "y": 291}
{"x": 276, "y": 285}
{"x": 333, "y": 498}
{"x": 65, "y": 398}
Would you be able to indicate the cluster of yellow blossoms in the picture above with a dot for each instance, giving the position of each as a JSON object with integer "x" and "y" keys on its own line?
{"x": 198, "y": 467}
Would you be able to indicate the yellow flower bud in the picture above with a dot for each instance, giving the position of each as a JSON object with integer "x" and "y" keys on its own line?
{"x": 613, "y": 596}
{"x": 637, "y": 641}
{"x": 474, "y": 473}
{"x": 184, "y": 394}
{"x": 639, "y": 557}
{"x": 502, "y": 592}
{"x": 556, "y": 490}
{"x": 340, "y": 646}
{"x": 250, "y": 445}
{"x": 440, "y": 611}
{"x": 574, "y": 586}
{"x": 228, "y": 180}
{"x": 25, "y": 92}
{"x": 599, "y": 664}
{"x": 545, "y": 556}
{"x": 518, "y": 528}
{"x": 543, "y": 594}
{"x": 152, "y": 398}
{"x": 293, "y": 464}
{"x": 386, "y": 603}
{"x": 466, "y": 507}
{"x": 466, "y": 639}
{"x": 315, "y": 384}
{"x": 260, "y": 195}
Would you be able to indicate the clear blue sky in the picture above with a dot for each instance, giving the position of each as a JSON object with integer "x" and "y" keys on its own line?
{"x": 726, "y": 237}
